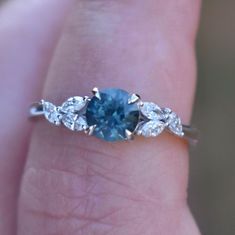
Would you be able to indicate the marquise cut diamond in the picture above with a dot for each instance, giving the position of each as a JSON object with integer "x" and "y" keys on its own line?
{"x": 80, "y": 124}
{"x": 51, "y": 113}
{"x": 74, "y": 122}
{"x": 151, "y": 110}
{"x": 73, "y": 104}
{"x": 155, "y": 124}
{"x": 69, "y": 120}
{"x": 175, "y": 124}
{"x": 151, "y": 128}
{"x": 72, "y": 117}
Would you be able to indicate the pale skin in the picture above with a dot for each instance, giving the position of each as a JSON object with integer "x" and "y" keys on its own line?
{"x": 55, "y": 182}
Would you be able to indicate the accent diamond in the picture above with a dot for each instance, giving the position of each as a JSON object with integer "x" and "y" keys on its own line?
{"x": 74, "y": 122}
{"x": 51, "y": 113}
{"x": 69, "y": 120}
{"x": 80, "y": 124}
{"x": 73, "y": 104}
{"x": 175, "y": 124}
{"x": 151, "y": 110}
{"x": 151, "y": 128}
{"x": 155, "y": 125}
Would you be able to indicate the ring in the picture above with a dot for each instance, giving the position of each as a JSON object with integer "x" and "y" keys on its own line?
{"x": 114, "y": 115}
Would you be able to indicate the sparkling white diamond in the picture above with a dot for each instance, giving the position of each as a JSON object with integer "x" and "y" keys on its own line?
{"x": 69, "y": 113}
{"x": 157, "y": 120}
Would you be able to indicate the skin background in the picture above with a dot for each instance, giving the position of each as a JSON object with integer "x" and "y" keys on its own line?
{"x": 212, "y": 174}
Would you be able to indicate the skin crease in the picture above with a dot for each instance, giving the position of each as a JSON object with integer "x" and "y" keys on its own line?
{"x": 74, "y": 184}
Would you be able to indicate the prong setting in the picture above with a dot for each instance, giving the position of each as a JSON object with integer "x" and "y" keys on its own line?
{"x": 90, "y": 130}
{"x": 134, "y": 98}
{"x": 86, "y": 98}
{"x": 129, "y": 135}
{"x": 96, "y": 93}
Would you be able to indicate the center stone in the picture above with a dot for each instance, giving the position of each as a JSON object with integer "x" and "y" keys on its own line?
{"x": 112, "y": 115}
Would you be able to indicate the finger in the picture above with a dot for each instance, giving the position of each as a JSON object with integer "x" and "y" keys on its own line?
{"x": 26, "y": 45}
{"x": 74, "y": 184}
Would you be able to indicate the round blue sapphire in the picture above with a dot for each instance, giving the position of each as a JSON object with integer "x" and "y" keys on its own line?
{"x": 112, "y": 115}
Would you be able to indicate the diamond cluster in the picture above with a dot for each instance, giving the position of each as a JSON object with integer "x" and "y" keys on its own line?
{"x": 157, "y": 119}
{"x": 70, "y": 113}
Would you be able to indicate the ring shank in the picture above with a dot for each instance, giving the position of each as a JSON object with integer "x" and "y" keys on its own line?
{"x": 190, "y": 134}
{"x": 35, "y": 110}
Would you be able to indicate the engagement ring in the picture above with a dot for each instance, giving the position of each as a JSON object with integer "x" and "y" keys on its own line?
{"x": 114, "y": 115}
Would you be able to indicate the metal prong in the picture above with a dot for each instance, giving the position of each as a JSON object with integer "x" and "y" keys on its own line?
{"x": 96, "y": 93}
{"x": 141, "y": 103}
{"x": 129, "y": 135}
{"x": 86, "y": 98}
{"x": 133, "y": 99}
{"x": 90, "y": 130}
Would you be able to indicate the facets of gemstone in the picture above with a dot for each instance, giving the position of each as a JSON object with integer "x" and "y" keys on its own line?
{"x": 174, "y": 124}
{"x": 51, "y": 113}
{"x": 166, "y": 114}
{"x": 80, "y": 124}
{"x": 111, "y": 114}
{"x": 151, "y": 128}
{"x": 151, "y": 110}
{"x": 69, "y": 120}
{"x": 74, "y": 122}
{"x": 73, "y": 104}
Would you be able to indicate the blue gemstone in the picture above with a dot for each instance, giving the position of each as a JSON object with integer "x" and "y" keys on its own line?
{"x": 112, "y": 114}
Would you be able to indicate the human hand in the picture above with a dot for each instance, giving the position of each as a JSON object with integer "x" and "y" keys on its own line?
{"x": 68, "y": 183}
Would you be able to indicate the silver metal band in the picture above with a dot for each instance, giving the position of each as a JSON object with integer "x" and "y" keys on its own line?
{"x": 36, "y": 110}
{"x": 154, "y": 120}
